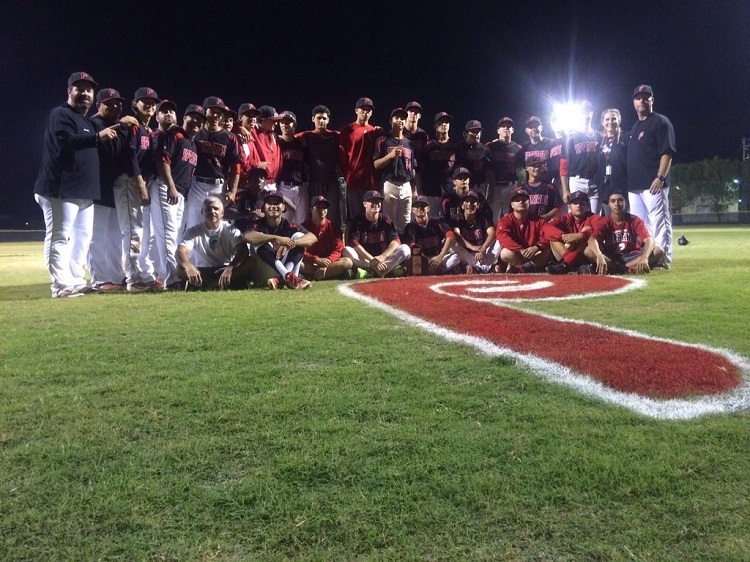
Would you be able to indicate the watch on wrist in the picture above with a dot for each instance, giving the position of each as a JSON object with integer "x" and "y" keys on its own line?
{"x": 662, "y": 178}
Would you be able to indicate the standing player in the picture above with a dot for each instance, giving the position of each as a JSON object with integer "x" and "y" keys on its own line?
{"x": 578, "y": 226}
{"x": 651, "y": 146}
{"x": 374, "y": 244}
{"x": 475, "y": 241}
{"x": 430, "y": 240}
{"x": 473, "y": 155}
{"x": 395, "y": 158}
{"x": 217, "y": 170}
{"x": 544, "y": 200}
{"x": 436, "y": 163}
{"x": 412, "y": 131}
{"x": 323, "y": 260}
{"x": 538, "y": 148}
{"x": 68, "y": 183}
{"x": 503, "y": 154}
{"x": 266, "y": 144}
{"x": 579, "y": 160}
{"x": 292, "y": 176}
{"x": 525, "y": 239}
{"x": 626, "y": 243}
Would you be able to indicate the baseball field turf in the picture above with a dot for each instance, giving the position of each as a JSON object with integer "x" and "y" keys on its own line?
{"x": 310, "y": 426}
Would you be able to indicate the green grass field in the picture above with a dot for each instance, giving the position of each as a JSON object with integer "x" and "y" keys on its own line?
{"x": 306, "y": 425}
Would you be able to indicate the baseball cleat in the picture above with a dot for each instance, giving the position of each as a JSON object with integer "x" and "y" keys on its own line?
{"x": 272, "y": 283}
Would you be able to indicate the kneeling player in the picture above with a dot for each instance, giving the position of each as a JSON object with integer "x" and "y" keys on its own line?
{"x": 578, "y": 226}
{"x": 626, "y": 243}
{"x": 475, "y": 244}
{"x": 430, "y": 241}
{"x": 212, "y": 253}
{"x": 323, "y": 259}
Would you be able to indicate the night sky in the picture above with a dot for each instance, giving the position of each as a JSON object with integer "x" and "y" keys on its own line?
{"x": 476, "y": 60}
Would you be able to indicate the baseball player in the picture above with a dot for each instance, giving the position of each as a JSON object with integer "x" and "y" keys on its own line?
{"x": 324, "y": 260}
{"x": 538, "y": 148}
{"x": 374, "y": 245}
{"x": 525, "y": 239}
{"x": 473, "y": 155}
{"x": 579, "y": 159}
{"x": 176, "y": 157}
{"x": 622, "y": 243}
{"x": 249, "y": 181}
{"x": 544, "y": 199}
{"x": 68, "y": 183}
{"x": 213, "y": 253}
{"x": 218, "y": 166}
{"x": 650, "y": 149}
{"x": 292, "y": 176}
{"x": 278, "y": 243}
{"x": 263, "y": 136}
{"x": 436, "y": 162}
{"x": 430, "y": 241}
{"x": 412, "y": 131}
{"x": 452, "y": 205}
{"x": 395, "y": 158}
{"x": 503, "y": 155}
{"x": 474, "y": 234}
{"x": 578, "y": 226}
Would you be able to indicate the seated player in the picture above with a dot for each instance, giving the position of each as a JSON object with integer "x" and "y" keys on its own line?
{"x": 452, "y": 205}
{"x": 475, "y": 241}
{"x": 525, "y": 238}
{"x": 578, "y": 226}
{"x": 278, "y": 243}
{"x": 212, "y": 253}
{"x": 544, "y": 199}
{"x": 374, "y": 245}
{"x": 627, "y": 246}
{"x": 430, "y": 241}
{"x": 323, "y": 260}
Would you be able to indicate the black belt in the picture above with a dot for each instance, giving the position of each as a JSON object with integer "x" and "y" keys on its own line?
{"x": 214, "y": 181}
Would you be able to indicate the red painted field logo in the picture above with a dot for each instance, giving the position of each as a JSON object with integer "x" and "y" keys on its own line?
{"x": 652, "y": 376}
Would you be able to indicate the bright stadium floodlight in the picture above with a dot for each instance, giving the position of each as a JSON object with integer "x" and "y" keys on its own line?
{"x": 567, "y": 117}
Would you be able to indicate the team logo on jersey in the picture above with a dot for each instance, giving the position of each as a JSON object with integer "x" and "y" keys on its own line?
{"x": 652, "y": 376}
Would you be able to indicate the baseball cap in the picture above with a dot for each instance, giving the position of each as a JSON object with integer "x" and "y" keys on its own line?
{"x": 247, "y": 108}
{"x": 82, "y": 77}
{"x": 534, "y": 161}
{"x": 166, "y": 104}
{"x": 364, "y": 101}
{"x": 442, "y": 115}
{"x": 643, "y": 89}
{"x": 275, "y": 195}
{"x": 213, "y": 102}
{"x": 414, "y": 105}
{"x": 145, "y": 92}
{"x": 461, "y": 171}
{"x": 533, "y": 119}
{"x": 505, "y": 120}
{"x": 578, "y": 195}
{"x": 420, "y": 201}
{"x": 519, "y": 192}
{"x": 288, "y": 116}
{"x": 370, "y": 195}
{"x": 471, "y": 194}
{"x": 319, "y": 200}
{"x": 107, "y": 94}
{"x": 398, "y": 111}
{"x": 193, "y": 108}
{"x": 473, "y": 124}
{"x": 232, "y": 113}
{"x": 268, "y": 112}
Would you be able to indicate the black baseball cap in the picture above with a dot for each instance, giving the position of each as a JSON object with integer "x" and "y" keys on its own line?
{"x": 82, "y": 77}
{"x": 373, "y": 194}
{"x": 643, "y": 89}
{"x": 268, "y": 112}
{"x": 414, "y": 105}
{"x": 288, "y": 116}
{"x": 361, "y": 102}
{"x": 505, "y": 120}
{"x": 197, "y": 109}
{"x": 420, "y": 201}
{"x": 398, "y": 111}
{"x": 534, "y": 161}
{"x": 471, "y": 194}
{"x": 473, "y": 124}
{"x": 461, "y": 171}
{"x": 166, "y": 104}
{"x": 578, "y": 196}
{"x": 533, "y": 119}
{"x": 273, "y": 195}
{"x": 232, "y": 113}
{"x": 442, "y": 115}
{"x": 519, "y": 192}
{"x": 107, "y": 94}
{"x": 213, "y": 102}
{"x": 145, "y": 92}
{"x": 319, "y": 200}
{"x": 248, "y": 108}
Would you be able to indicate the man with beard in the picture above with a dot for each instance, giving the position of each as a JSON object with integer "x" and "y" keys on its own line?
{"x": 67, "y": 184}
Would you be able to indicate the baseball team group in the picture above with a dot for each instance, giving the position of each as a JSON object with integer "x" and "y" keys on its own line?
{"x": 223, "y": 199}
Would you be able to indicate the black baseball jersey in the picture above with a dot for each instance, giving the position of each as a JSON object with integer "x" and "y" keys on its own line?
{"x": 436, "y": 164}
{"x": 284, "y": 228}
{"x": 430, "y": 237}
{"x": 451, "y": 210}
{"x": 582, "y": 153}
{"x": 399, "y": 169}
{"x": 179, "y": 151}
{"x": 541, "y": 151}
{"x": 293, "y": 169}
{"x": 418, "y": 139}
{"x": 474, "y": 232}
{"x": 476, "y": 158}
{"x": 113, "y": 162}
{"x": 504, "y": 160}
{"x": 543, "y": 197}
{"x": 372, "y": 236}
{"x": 218, "y": 153}
{"x": 322, "y": 153}
{"x": 649, "y": 140}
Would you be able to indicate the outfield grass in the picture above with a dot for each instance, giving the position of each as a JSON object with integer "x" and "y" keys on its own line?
{"x": 305, "y": 425}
